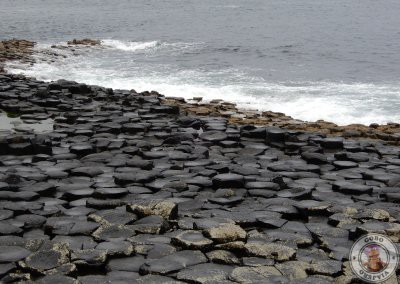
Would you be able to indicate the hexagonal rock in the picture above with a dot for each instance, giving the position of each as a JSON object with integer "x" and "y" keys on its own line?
{"x": 293, "y": 269}
{"x": 225, "y": 233}
{"x": 116, "y": 248}
{"x": 8, "y": 229}
{"x": 228, "y": 180}
{"x": 314, "y": 158}
{"x": 174, "y": 262}
{"x": 89, "y": 257}
{"x": 332, "y": 142}
{"x": 134, "y": 177}
{"x": 60, "y": 279}
{"x": 222, "y": 256}
{"x": 113, "y": 232}
{"x": 87, "y": 171}
{"x": 191, "y": 240}
{"x": 126, "y": 264}
{"x": 270, "y": 250}
{"x": 152, "y": 224}
{"x": 47, "y": 259}
{"x": 205, "y": 273}
{"x": 116, "y": 217}
{"x": 260, "y": 274}
{"x": 351, "y": 188}
{"x": 157, "y": 279}
{"x": 326, "y": 267}
{"x": 12, "y": 253}
{"x": 213, "y": 136}
{"x": 164, "y": 208}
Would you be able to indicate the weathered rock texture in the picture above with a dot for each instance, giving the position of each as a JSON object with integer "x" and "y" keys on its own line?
{"x": 127, "y": 189}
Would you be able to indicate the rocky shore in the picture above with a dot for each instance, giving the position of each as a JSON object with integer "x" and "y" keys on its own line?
{"x": 22, "y": 50}
{"x": 135, "y": 188}
{"x": 14, "y": 49}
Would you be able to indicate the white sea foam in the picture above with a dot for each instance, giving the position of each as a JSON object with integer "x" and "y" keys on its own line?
{"x": 332, "y": 101}
{"x": 130, "y": 45}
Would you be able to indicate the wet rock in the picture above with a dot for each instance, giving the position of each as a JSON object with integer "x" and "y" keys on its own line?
{"x": 85, "y": 41}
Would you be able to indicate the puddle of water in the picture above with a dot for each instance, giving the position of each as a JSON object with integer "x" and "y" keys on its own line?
{"x": 15, "y": 124}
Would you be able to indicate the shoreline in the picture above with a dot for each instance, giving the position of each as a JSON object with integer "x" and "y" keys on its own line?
{"x": 126, "y": 188}
{"x": 390, "y": 132}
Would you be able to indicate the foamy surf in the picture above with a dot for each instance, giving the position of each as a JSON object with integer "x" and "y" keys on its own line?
{"x": 129, "y": 45}
{"x": 342, "y": 103}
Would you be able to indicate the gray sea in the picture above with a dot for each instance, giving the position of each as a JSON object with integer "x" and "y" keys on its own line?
{"x": 337, "y": 60}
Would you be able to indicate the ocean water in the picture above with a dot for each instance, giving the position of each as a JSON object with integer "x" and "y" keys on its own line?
{"x": 336, "y": 60}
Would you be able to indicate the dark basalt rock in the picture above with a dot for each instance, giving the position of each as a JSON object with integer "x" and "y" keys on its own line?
{"x": 134, "y": 177}
{"x": 125, "y": 189}
{"x": 213, "y": 136}
{"x": 314, "y": 158}
{"x": 228, "y": 180}
{"x": 47, "y": 259}
{"x": 12, "y": 253}
{"x": 205, "y": 273}
{"x": 173, "y": 262}
{"x": 132, "y": 264}
{"x": 351, "y": 188}
{"x": 191, "y": 240}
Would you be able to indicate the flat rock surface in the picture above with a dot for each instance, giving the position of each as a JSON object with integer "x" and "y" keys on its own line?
{"x": 128, "y": 189}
